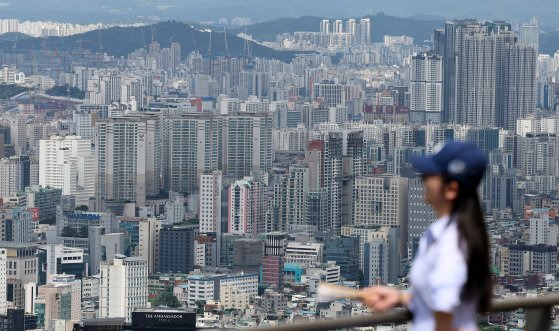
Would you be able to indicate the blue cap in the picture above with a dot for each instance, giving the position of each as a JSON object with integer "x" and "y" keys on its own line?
{"x": 461, "y": 161}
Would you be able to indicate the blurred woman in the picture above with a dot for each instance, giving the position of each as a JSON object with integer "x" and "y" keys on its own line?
{"x": 450, "y": 275}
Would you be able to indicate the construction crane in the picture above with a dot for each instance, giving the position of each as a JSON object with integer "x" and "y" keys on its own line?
{"x": 225, "y": 37}
{"x": 153, "y": 35}
{"x": 210, "y": 44}
{"x": 143, "y": 36}
{"x": 193, "y": 40}
{"x": 100, "y": 42}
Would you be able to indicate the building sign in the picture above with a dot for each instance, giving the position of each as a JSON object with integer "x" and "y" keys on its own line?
{"x": 34, "y": 214}
{"x": 86, "y": 217}
{"x": 162, "y": 320}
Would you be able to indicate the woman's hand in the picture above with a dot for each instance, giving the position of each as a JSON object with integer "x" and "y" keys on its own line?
{"x": 382, "y": 298}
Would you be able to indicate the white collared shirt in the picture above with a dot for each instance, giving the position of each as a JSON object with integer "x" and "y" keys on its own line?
{"x": 437, "y": 276}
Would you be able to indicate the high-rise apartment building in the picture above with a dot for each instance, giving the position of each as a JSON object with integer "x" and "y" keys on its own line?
{"x": 210, "y": 202}
{"x": 68, "y": 163}
{"x": 191, "y": 144}
{"x": 426, "y": 104}
{"x": 123, "y": 287}
{"x": 247, "y": 202}
{"x": 247, "y": 143}
{"x": 489, "y": 77}
{"x": 128, "y": 158}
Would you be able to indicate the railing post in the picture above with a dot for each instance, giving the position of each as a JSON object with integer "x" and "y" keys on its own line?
{"x": 538, "y": 318}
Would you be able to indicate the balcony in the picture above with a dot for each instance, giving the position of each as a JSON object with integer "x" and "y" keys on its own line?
{"x": 537, "y": 310}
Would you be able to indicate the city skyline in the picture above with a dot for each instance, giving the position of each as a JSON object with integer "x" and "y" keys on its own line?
{"x": 219, "y": 175}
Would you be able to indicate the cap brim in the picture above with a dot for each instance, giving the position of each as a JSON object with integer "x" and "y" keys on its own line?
{"x": 425, "y": 164}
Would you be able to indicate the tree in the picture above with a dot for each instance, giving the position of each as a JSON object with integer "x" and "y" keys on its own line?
{"x": 49, "y": 220}
{"x": 82, "y": 208}
{"x": 69, "y": 232}
{"x": 167, "y": 299}
{"x": 66, "y": 90}
{"x": 84, "y": 231}
{"x": 200, "y": 306}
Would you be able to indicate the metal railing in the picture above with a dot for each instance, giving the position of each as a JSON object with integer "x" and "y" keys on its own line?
{"x": 537, "y": 312}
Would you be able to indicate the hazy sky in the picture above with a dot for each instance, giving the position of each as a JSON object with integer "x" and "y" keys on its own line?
{"x": 259, "y": 10}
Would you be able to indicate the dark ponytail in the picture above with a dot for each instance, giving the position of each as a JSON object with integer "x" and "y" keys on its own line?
{"x": 472, "y": 232}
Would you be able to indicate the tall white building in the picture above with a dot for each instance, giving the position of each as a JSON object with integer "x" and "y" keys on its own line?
{"x": 191, "y": 146}
{"x": 175, "y": 210}
{"x": 11, "y": 176}
{"x": 541, "y": 231}
{"x": 383, "y": 200}
{"x": 325, "y": 26}
{"x": 338, "y": 26}
{"x": 3, "y": 280}
{"x": 124, "y": 287}
{"x": 9, "y": 25}
{"x": 210, "y": 202}
{"x": 128, "y": 158}
{"x": 290, "y": 200}
{"x": 247, "y": 143}
{"x": 68, "y": 163}
{"x": 364, "y": 31}
{"x": 426, "y": 104}
{"x": 84, "y": 119}
{"x": 149, "y": 242}
{"x": 530, "y": 33}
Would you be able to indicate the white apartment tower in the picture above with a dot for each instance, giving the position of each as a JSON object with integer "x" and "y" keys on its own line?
{"x": 210, "y": 202}
{"x": 67, "y": 163}
{"x": 124, "y": 287}
{"x": 3, "y": 280}
{"x": 426, "y": 103}
{"x": 128, "y": 158}
{"x": 364, "y": 31}
{"x": 11, "y": 176}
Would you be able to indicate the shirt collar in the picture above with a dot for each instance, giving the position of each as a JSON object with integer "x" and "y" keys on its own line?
{"x": 437, "y": 228}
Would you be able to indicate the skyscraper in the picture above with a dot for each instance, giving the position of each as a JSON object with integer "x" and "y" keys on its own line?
{"x": 247, "y": 206}
{"x": 128, "y": 158}
{"x": 338, "y": 26}
{"x": 191, "y": 144}
{"x": 383, "y": 200}
{"x": 290, "y": 200}
{"x": 426, "y": 104}
{"x": 210, "y": 202}
{"x": 324, "y": 158}
{"x": 148, "y": 242}
{"x": 351, "y": 27}
{"x": 530, "y": 33}
{"x": 364, "y": 31}
{"x": 68, "y": 163}
{"x": 123, "y": 287}
{"x": 489, "y": 78}
{"x": 325, "y": 26}
{"x": 247, "y": 143}
{"x": 176, "y": 55}
{"x": 12, "y": 176}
